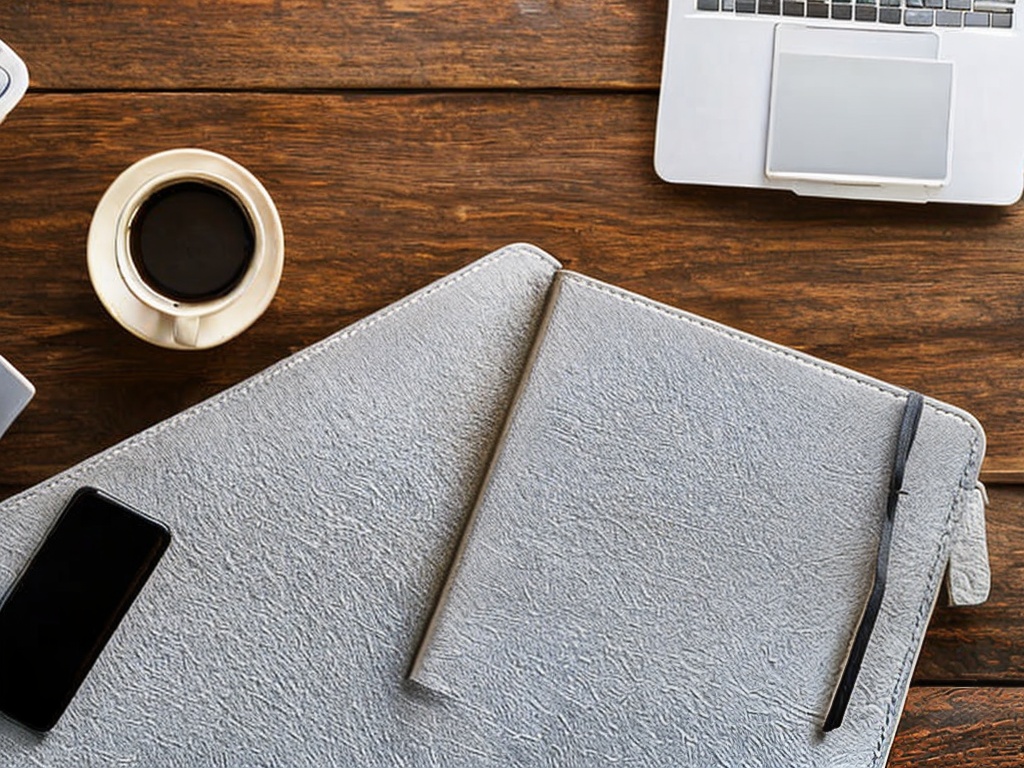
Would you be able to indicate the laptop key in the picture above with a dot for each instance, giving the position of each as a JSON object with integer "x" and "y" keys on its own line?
{"x": 729, "y": 5}
{"x": 993, "y": 6}
{"x": 976, "y": 19}
{"x": 792, "y": 8}
{"x": 949, "y": 19}
{"x": 915, "y": 18}
{"x": 958, "y": 5}
{"x": 770, "y": 7}
{"x": 933, "y": 3}
{"x": 707, "y": 5}
{"x": 1002, "y": 20}
{"x": 817, "y": 9}
{"x": 896, "y": 3}
{"x": 746, "y": 6}
{"x": 844, "y": 12}
{"x": 890, "y": 15}
{"x": 866, "y": 13}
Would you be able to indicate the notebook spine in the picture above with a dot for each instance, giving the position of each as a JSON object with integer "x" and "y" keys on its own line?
{"x": 417, "y": 671}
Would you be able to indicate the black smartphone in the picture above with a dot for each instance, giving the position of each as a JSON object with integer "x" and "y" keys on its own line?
{"x": 62, "y": 610}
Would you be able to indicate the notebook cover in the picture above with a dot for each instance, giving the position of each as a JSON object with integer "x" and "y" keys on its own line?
{"x": 314, "y": 509}
{"x": 676, "y": 541}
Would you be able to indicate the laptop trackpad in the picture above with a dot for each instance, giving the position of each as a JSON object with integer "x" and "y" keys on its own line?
{"x": 859, "y": 119}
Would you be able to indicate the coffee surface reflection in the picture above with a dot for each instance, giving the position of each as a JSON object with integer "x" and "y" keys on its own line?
{"x": 192, "y": 242}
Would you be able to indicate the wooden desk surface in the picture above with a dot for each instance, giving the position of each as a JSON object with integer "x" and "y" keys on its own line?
{"x": 401, "y": 140}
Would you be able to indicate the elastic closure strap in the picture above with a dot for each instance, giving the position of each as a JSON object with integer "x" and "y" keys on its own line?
{"x": 908, "y": 430}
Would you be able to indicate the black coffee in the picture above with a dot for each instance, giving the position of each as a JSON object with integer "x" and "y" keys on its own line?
{"x": 192, "y": 241}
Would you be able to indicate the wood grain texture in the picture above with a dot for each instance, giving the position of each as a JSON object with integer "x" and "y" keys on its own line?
{"x": 401, "y": 140}
{"x": 319, "y": 44}
{"x": 382, "y": 193}
{"x": 961, "y": 728}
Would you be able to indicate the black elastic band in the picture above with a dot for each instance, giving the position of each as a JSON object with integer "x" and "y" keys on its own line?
{"x": 908, "y": 429}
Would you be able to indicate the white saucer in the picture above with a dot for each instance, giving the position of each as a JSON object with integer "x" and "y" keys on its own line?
{"x": 108, "y": 225}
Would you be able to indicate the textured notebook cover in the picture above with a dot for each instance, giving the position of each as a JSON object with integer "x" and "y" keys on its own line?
{"x": 315, "y": 509}
{"x": 676, "y": 540}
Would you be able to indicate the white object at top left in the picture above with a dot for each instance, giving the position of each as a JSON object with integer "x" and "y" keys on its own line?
{"x": 15, "y": 392}
{"x": 13, "y": 79}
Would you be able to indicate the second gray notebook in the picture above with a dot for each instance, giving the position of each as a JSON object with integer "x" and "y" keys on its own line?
{"x": 676, "y": 541}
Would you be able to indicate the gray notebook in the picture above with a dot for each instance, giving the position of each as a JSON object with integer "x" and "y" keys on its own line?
{"x": 676, "y": 542}
{"x": 664, "y": 500}
{"x": 314, "y": 509}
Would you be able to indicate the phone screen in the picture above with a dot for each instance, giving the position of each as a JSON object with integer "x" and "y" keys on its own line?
{"x": 67, "y": 603}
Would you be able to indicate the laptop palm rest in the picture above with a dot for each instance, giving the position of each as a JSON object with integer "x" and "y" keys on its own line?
{"x": 854, "y": 107}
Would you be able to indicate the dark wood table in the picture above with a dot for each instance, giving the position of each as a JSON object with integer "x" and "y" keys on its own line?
{"x": 401, "y": 140}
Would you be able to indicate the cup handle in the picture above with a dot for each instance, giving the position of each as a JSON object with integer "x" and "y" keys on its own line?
{"x": 186, "y": 331}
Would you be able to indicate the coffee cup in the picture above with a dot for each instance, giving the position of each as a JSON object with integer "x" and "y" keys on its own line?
{"x": 186, "y": 249}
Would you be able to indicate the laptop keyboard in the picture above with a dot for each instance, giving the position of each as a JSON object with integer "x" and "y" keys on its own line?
{"x": 909, "y": 13}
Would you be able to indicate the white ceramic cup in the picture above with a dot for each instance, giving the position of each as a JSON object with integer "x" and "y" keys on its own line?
{"x": 139, "y": 306}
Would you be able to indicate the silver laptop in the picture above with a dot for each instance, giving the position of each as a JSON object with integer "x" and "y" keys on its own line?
{"x": 912, "y": 100}
{"x": 15, "y": 392}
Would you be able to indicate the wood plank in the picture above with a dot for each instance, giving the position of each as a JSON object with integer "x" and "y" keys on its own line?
{"x": 236, "y": 44}
{"x": 961, "y": 728}
{"x": 986, "y": 642}
{"x": 381, "y": 193}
